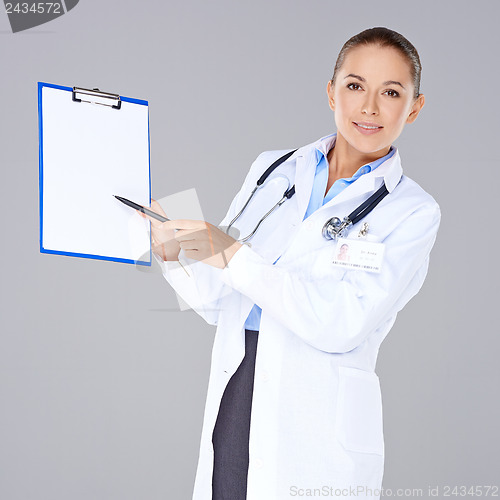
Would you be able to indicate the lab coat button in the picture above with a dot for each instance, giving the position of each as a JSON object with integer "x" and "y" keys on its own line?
{"x": 264, "y": 376}
{"x": 258, "y": 463}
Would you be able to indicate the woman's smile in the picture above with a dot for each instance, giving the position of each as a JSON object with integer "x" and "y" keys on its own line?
{"x": 367, "y": 129}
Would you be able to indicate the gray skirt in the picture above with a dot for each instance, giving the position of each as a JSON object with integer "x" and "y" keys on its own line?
{"x": 232, "y": 429}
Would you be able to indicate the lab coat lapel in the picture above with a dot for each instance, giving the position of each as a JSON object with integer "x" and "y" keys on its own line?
{"x": 304, "y": 179}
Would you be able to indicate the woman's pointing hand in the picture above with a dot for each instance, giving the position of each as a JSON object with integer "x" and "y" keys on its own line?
{"x": 203, "y": 241}
{"x": 200, "y": 240}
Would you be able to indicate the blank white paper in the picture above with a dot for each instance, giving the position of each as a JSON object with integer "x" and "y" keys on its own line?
{"x": 90, "y": 153}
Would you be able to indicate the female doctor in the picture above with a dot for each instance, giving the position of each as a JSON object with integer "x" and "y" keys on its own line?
{"x": 294, "y": 404}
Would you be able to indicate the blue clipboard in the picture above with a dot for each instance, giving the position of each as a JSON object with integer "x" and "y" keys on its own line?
{"x": 93, "y": 145}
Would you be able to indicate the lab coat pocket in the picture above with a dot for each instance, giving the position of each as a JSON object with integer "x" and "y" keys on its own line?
{"x": 359, "y": 411}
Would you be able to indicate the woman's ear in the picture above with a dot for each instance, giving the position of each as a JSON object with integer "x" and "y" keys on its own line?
{"x": 415, "y": 109}
{"x": 329, "y": 93}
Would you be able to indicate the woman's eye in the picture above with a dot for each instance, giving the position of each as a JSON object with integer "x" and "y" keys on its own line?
{"x": 394, "y": 93}
{"x": 349, "y": 85}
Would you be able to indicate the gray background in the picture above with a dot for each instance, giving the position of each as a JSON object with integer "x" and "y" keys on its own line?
{"x": 102, "y": 378}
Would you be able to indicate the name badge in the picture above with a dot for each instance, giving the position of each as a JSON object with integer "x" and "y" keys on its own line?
{"x": 359, "y": 254}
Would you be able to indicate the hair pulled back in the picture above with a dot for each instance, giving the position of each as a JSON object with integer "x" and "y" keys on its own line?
{"x": 383, "y": 37}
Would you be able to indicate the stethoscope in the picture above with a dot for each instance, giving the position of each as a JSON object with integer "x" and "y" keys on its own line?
{"x": 333, "y": 228}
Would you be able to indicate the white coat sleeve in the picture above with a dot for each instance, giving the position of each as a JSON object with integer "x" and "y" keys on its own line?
{"x": 337, "y": 315}
{"x": 204, "y": 287}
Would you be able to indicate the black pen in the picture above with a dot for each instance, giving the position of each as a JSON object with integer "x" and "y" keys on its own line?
{"x": 142, "y": 209}
{"x": 147, "y": 212}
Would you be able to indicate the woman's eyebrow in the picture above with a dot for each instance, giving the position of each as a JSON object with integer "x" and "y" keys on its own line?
{"x": 388, "y": 82}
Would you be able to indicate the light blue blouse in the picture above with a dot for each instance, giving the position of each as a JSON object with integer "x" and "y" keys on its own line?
{"x": 317, "y": 200}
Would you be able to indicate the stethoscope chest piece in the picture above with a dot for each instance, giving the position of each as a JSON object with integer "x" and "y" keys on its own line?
{"x": 335, "y": 228}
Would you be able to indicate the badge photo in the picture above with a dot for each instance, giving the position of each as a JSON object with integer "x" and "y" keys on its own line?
{"x": 359, "y": 254}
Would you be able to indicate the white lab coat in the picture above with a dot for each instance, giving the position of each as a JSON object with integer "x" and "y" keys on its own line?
{"x": 316, "y": 422}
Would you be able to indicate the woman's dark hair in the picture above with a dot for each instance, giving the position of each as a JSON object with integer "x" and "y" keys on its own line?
{"x": 383, "y": 37}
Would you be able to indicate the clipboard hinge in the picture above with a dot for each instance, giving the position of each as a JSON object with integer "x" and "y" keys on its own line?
{"x": 95, "y": 96}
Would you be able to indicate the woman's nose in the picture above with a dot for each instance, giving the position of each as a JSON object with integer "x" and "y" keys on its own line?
{"x": 370, "y": 106}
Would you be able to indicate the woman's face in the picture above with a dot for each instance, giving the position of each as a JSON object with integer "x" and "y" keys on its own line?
{"x": 366, "y": 91}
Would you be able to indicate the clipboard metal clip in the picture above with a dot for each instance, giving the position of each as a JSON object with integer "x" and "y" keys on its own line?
{"x": 95, "y": 96}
